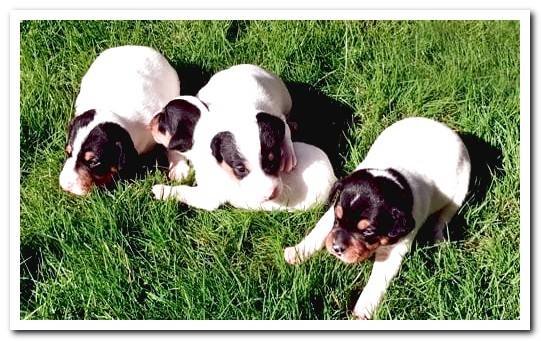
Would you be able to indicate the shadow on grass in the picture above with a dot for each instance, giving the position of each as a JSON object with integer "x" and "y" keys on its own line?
{"x": 30, "y": 269}
{"x": 321, "y": 121}
{"x": 192, "y": 78}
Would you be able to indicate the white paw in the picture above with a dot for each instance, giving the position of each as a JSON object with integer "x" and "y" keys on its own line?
{"x": 291, "y": 256}
{"x": 179, "y": 171}
{"x": 363, "y": 310}
{"x": 161, "y": 192}
{"x": 289, "y": 159}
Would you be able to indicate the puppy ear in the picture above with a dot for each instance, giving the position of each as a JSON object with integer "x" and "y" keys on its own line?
{"x": 183, "y": 117}
{"x": 127, "y": 158}
{"x": 335, "y": 192}
{"x": 182, "y": 140}
{"x": 125, "y": 154}
{"x": 403, "y": 223}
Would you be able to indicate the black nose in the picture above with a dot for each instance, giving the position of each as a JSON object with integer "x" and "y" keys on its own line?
{"x": 338, "y": 248}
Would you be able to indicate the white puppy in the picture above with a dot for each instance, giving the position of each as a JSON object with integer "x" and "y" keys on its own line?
{"x": 236, "y": 137}
{"x": 416, "y": 168}
{"x": 120, "y": 93}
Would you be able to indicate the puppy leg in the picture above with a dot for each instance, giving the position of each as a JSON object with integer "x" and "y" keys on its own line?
{"x": 386, "y": 266}
{"x": 178, "y": 165}
{"x": 289, "y": 159}
{"x": 193, "y": 196}
{"x": 313, "y": 242}
{"x": 444, "y": 217}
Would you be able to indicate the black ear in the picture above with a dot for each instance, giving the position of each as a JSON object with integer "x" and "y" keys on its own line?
{"x": 271, "y": 129}
{"x": 271, "y": 136}
{"x": 403, "y": 223}
{"x": 182, "y": 139}
{"x": 181, "y": 119}
{"x": 128, "y": 159}
{"x": 124, "y": 154}
{"x": 335, "y": 192}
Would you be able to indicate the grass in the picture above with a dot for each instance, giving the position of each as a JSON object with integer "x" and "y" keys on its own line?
{"x": 122, "y": 255}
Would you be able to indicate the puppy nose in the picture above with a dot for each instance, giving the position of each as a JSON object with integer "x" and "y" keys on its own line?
{"x": 338, "y": 248}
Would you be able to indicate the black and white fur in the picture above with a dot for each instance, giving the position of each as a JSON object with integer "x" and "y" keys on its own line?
{"x": 242, "y": 143}
{"x": 245, "y": 90}
{"x": 416, "y": 168}
{"x": 120, "y": 93}
{"x": 221, "y": 160}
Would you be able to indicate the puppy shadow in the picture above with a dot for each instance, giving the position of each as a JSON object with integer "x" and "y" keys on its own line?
{"x": 321, "y": 121}
{"x": 192, "y": 77}
{"x": 30, "y": 268}
{"x": 155, "y": 158}
{"x": 486, "y": 167}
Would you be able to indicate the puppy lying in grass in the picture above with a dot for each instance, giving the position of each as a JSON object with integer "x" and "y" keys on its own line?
{"x": 416, "y": 168}
{"x": 187, "y": 128}
{"x": 236, "y": 137}
{"x": 120, "y": 93}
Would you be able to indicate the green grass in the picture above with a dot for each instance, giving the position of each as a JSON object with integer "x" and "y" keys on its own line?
{"x": 122, "y": 255}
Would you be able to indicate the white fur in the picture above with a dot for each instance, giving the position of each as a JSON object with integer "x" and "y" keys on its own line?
{"x": 241, "y": 92}
{"x": 307, "y": 185}
{"x": 436, "y": 164}
{"x": 126, "y": 85}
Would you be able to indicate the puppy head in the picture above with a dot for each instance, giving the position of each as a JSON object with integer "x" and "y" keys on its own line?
{"x": 251, "y": 154}
{"x": 96, "y": 154}
{"x": 173, "y": 127}
{"x": 369, "y": 211}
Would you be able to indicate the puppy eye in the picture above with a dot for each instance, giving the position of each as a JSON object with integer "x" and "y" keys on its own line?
{"x": 93, "y": 163}
{"x": 241, "y": 169}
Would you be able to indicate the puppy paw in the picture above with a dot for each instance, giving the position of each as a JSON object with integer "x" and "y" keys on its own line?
{"x": 363, "y": 311}
{"x": 161, "y": 192}
{"x": 291, "y": 256}
{"x": 361, "y": 316}
{"x": 289, "y": 159}
{"x": 179, "y": 171}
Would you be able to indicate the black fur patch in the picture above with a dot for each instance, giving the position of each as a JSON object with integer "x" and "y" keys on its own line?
{"x": 179, "y": 118}
{"x": 271, "y": 137}
{"x": 385, "y": 204}
{"x": 111, "y": 146}
{"x": 76, "y": 123}
{"x": 224, "y": 149}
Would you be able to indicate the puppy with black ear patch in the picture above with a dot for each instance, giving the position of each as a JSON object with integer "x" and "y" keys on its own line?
{"x": 174, "y": 128}
{"x": 416, "y": 168}
{"x": 120, "y": 93}
{"x": 222, "y": 170}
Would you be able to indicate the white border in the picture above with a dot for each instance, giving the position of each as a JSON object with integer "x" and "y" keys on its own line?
{"x": 522, "y": 15}
{"x": 272, "y": 14}
{"x": 525, "y": 189}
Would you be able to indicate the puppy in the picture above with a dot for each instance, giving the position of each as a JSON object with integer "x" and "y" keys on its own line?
{"x": 415, "y": 168}
{"x": 121, "y": 91}
{"x": 235, "y": 136}
{"x": 220, "y": 170}
{"x": 245, "y": 91}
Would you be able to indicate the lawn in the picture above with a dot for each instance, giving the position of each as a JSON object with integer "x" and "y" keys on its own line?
{"x": 122, "y": 255}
